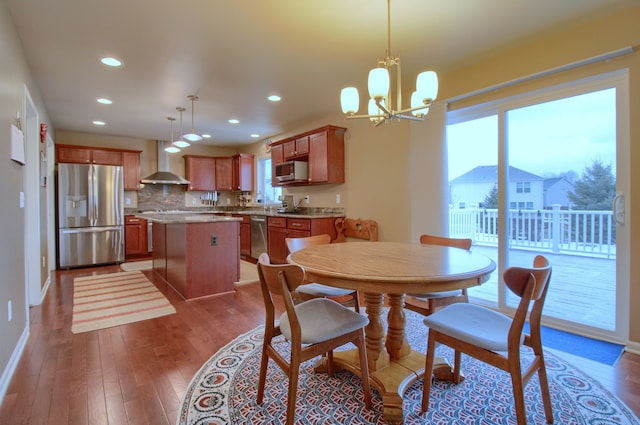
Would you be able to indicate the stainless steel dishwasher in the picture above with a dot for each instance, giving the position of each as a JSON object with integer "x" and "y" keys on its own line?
{"x": 258, "y": 235}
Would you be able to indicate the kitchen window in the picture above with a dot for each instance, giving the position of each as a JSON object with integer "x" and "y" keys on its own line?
{"x": 270, "y": 194}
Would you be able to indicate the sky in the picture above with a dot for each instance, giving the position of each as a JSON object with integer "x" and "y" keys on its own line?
{"x": 545, "y": 139}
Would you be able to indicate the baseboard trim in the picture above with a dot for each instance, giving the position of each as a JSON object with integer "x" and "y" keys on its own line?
{"x": 632, "y": 347}
{"x": 8, "y": 371}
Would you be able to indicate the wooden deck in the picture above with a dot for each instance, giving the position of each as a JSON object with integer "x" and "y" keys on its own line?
{"x": 582, "y": 288}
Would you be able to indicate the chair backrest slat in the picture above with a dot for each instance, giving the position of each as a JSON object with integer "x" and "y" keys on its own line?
{"x": 444, "y": 241}
{"x": 295, "y": 244}
{"x": 517, "y": 278}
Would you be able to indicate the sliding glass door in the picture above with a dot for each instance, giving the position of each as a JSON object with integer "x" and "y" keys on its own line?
{"x": 541, "y": 174}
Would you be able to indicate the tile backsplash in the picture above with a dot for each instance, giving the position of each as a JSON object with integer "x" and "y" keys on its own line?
{"x": 154, "y": 197}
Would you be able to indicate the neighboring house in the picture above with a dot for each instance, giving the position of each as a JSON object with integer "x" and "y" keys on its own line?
{"x": 556, "y": 192}
{"x": 526, "y": 190}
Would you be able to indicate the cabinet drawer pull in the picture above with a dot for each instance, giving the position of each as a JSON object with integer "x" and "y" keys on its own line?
{"x": 296, "y": 224}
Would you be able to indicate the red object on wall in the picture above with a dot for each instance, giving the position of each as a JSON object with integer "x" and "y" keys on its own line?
{"x": 43, "y": 132}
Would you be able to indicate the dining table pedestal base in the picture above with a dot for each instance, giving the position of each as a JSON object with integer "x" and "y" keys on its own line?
{"x": 392, "y": 380}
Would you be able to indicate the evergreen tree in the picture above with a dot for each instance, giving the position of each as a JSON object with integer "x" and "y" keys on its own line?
{"x": 491, "y": 200}
{"x": 596, "y": 188}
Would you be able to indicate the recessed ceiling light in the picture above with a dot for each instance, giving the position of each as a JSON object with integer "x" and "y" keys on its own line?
{"x": 111, "y": 61}
{"x": 255, "y": 136}
{"x": 234, "y": 121}
{"x": 206, "y": 136}
{"x": 105, "y": 101}
{"x": 99, "y": 123}
{"x": 274, "y": 98}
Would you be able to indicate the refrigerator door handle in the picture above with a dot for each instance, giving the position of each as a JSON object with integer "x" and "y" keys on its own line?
{"x": 94, "y": 187}
{"x": 91, "y": 197}
{"x": 90, "y": 229}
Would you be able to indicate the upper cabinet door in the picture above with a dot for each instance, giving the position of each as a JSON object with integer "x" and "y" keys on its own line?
{"x": 243, "y": 172}
{"x": 201, "y": 173}
{"x": 131, "y": 165}
{"x": 224, "y": 173}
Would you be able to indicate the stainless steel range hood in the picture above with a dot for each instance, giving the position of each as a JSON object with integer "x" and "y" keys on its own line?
{"x": 163, "y": 175}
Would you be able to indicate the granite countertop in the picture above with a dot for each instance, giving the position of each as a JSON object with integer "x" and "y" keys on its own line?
{"x": 184, "y": 217}
{"x": 201, "y": 215}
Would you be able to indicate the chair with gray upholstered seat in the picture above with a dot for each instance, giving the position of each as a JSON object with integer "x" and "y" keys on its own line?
{"x": 495, "y": 338}
{"x": 313, "y": 327}
{"x": 428, "y": 302}
{"x": 310, "y": 290}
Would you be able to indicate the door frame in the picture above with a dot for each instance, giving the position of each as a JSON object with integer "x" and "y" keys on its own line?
{"x": 618, "y": 79}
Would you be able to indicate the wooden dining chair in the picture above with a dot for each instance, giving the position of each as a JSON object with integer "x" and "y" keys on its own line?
{"x": 427, "y": 303}
{"x": 356, "y": 228}
{"x": 495, "y": 338}
{"x": 310, "y": 290}
{"x": 313, "y": 328}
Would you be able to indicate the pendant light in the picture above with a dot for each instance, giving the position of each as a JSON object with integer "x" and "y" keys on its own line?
{"x": 192, "y": 137}
{"x": 180, "y": 143}
{"x": 171, "y": 149}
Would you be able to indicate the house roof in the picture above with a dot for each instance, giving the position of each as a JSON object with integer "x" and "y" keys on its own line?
{"x": 550, "y": 182}
{"x": 489, "y": 174}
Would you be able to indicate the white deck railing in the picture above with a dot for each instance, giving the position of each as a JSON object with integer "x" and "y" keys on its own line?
{"x": 590, "y": 233}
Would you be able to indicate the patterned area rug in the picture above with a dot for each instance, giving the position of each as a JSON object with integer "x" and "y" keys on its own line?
{"x": 223, "y": 392}
{"x": 113, "y": 299}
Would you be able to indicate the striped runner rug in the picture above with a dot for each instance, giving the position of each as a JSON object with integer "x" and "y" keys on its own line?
{"x": 115, "y": 299}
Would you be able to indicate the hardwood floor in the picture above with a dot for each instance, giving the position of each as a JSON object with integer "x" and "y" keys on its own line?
{"x": 137, "y": 373}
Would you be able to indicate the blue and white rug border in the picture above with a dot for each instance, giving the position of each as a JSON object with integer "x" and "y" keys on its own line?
{"x": 253, "y": 340}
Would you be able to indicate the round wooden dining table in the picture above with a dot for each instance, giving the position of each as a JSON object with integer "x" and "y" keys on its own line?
{"x": 394, "y": 269}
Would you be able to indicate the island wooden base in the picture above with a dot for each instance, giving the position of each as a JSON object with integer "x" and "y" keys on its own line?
{"x": 392, "y": 380}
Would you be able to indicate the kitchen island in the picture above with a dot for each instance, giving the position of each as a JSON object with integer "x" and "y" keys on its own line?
{"x": 197, "y": 254}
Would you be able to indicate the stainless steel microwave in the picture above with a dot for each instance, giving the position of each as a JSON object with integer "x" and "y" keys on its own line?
{"x": 292, "y": 171}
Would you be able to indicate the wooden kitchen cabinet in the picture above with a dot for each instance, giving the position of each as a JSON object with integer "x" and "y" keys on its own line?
{"x": 280, "y": 228}
{"x": 87, "y": 155}
{"x": 326, "y": 156}
{"x": 224, "y": 173}
{"x": 277, "y": 157}
{"x": 296, "y": 148}
{"x": 243, "y": 172}
{"x": 322, "y": 148}
{"x": 245, "y": 234}
{"x": 201, "y": 172}
{"x": 135, "y": 237}
{"x": 131, "y": 166}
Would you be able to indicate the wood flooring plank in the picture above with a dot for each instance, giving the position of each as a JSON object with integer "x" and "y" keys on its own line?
{"x": 137, "y": 373}
{"x": 59, "y": 411}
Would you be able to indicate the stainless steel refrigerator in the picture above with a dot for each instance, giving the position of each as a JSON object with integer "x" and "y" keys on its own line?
{"x": 90, "y": 215}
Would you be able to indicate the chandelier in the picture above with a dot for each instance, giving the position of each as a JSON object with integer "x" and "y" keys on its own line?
{"x": 192, "y": 137}
{"x": 380, "y": 106}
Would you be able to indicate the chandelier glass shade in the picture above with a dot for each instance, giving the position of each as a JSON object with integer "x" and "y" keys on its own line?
{"x": 180, "y": 143}
{"x": 193, "y": 136}
{"x": 171, "y": 148}
{"x": 381, "y": 105}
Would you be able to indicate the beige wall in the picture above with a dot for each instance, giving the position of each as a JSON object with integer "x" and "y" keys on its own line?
{"x": 14, "y": 78}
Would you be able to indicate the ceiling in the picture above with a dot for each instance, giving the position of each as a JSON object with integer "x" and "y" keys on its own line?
{"x": 233, "y": 54}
